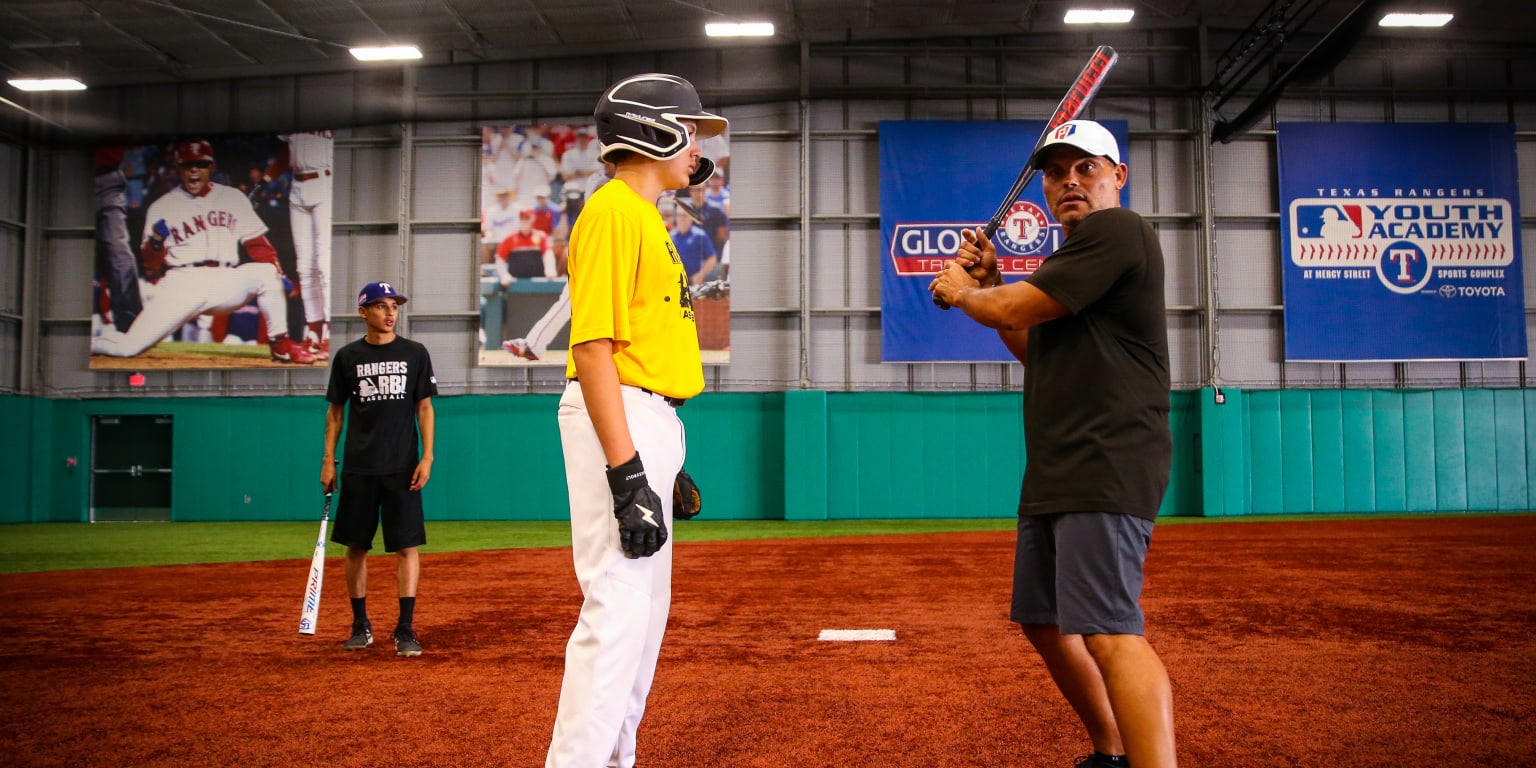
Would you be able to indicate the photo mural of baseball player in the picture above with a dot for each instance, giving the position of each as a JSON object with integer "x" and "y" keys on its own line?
{"x": 535, "y": 180}
{"x": 308, "y": 159}
{"x": 204, "y": 270}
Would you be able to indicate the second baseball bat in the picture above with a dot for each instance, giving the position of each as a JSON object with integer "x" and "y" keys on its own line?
{"x": 1083, "y": 89}
{"x": 311, "y": 615}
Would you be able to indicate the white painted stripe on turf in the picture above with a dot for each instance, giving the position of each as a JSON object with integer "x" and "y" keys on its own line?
{"x": 856, "y": 635}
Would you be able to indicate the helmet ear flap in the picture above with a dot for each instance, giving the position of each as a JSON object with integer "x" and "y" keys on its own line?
{"x": 705, "y": 170}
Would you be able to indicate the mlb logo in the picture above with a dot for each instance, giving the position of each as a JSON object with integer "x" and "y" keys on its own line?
{"x": 1064, "y": 131}
{"x": 1330, "y": 221}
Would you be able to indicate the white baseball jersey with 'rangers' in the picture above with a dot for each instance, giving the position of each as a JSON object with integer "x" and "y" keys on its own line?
{"x": 204, "y": 228}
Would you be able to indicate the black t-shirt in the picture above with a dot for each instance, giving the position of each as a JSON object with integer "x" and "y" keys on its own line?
{"x": 381, "y": 384}
{"x": 1096, "y": 383}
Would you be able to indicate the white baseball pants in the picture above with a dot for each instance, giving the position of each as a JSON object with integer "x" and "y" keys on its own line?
{"x": 611, "y": 657}
{"x": 186, "y": 292}
{"x": 309, "y": 213}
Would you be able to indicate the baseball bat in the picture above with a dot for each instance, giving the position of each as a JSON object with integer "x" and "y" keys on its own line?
{"x": 311, "y": 614}
{"x": 1072, "y": 105}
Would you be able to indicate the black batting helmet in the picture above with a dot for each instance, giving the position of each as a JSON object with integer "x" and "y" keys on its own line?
{"x": 641, "y": 114}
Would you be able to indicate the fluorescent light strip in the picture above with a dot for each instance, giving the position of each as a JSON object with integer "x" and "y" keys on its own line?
{"x": 47, "y": 84}
{"x": 386, "y": 53}
{"x": 742, "y": 29}
{"x": 1099, "y": 16}
{"x": 1416, "y": 19}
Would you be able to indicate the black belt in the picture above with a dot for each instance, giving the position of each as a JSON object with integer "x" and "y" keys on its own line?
{"x": 675, "y": 402}
{"x": 207, "y": 263}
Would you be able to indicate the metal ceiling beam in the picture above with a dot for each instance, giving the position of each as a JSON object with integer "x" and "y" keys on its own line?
{"x": 237, "y": 23}
{"x": 464, "y": 25}
{"x": 367, "y": 18}
{"x": 262, "y": 4}
{"x": 249, "y": 59}
{"x": 554, "y": 32}
{"x": 175, "y": 65}
{"x": 1316, "y": 63}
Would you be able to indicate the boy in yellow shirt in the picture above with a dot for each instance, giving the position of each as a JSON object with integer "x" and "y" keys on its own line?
{"x": 634, "y": 360}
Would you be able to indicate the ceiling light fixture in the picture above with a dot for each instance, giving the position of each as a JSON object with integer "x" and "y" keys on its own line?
{"x": 1099, "y": 16}
{"x": 1416, "y": 19}
{"x": 739, "y": 29}
{"x": 386, "y": 53}
{"x": 47, "y": 84}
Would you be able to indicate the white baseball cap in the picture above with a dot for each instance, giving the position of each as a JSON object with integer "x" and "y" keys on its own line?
{"x": 1086, "y": 135}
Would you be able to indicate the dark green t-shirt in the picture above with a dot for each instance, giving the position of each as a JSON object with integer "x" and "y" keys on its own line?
{"x": 1096, "y": 383}
{"x": 381, "y": 385}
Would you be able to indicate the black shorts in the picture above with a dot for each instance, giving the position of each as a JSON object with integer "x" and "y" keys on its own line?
{"x": 367, "y": 498}
{"x": 1081, "y": 571}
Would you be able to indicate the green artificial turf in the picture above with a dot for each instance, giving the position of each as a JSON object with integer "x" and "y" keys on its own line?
{"x": 28, "y": 547}
{"x": 31, "y": 547}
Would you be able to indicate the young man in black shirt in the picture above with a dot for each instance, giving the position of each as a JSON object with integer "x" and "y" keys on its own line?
{"x": 387, "y": 381}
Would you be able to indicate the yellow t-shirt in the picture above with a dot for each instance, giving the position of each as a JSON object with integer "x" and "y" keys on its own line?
{"x": 628, "y": 284}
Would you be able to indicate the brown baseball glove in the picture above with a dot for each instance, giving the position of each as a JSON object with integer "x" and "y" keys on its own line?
{"x": 686, "y": 502}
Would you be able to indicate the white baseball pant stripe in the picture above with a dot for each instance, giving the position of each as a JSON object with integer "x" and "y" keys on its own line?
{"x": 549, "y": 326}
{"x": 610, "y": 660}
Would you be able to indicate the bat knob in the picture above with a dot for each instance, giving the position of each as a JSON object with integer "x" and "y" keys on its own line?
{"x": 940, "y": 303}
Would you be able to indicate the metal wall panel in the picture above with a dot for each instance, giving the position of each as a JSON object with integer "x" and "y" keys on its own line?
{"x": 851, "y": 88}
{"x": 444, "y": 272}
{"x": 13, "y": 175}
{"x": 10, "y": 271}
{"x": 446, "y": 182}
{"x": 1248, "y": 257}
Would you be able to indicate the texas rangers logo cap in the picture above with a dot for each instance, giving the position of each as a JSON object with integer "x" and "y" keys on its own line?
{"x": 376, "y": 291}
{"x": 194, "y": 151}
{"x": 1086, "y": 135}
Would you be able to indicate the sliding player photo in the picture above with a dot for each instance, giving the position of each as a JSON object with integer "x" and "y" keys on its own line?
{"x": 197, "y": 263}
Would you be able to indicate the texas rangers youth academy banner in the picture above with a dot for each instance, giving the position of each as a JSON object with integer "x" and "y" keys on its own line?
{"x": 1401, "y": 242}
{"x": 937, "y": 178}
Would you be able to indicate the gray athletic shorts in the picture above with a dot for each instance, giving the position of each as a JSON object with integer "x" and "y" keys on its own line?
{"x": 1081, "y": 571}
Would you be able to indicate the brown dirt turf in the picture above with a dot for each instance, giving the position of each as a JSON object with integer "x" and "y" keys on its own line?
{"x": 1360, "y": 643}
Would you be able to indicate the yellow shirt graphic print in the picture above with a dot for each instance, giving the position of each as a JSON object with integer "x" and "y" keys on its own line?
{"x": 628, "y": 284}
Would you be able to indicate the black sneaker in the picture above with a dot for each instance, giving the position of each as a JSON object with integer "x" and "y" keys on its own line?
{"x": 405, "y": 642}
{"x": 362, "y": 637}
{"x": 1100, "y": 760}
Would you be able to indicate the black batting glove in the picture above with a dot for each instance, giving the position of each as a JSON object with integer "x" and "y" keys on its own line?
{"x": 686, "y": 501}
{"x": 642, "y": 528}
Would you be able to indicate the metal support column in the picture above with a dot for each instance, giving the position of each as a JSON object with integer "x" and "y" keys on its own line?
{"x": 805, "y": 215}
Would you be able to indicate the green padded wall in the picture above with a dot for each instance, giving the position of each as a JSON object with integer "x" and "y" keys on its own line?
{"x": 809, "y": 455}
{"x": 1359, "y": 451}
{"x": 18, "y": 452}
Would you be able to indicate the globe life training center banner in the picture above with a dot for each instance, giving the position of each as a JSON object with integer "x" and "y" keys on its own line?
{"x": 937, "y": 178}
{"x": 1401, "y": 242}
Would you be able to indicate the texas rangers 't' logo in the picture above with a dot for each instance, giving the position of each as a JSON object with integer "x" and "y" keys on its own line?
{"x": 1025, "y": 228}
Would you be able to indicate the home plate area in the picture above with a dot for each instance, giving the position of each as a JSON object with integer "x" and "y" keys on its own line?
{"x": 857, "y": 635}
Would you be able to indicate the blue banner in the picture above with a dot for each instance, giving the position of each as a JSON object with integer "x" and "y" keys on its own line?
{"x": 938, "y": 177}
{"x": 1401, "y": 242}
